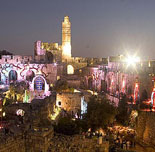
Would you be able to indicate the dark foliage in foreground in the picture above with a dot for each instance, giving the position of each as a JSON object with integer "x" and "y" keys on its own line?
{"x": 123, "y": 115}
{"x": 68, "y": 126}
{"x": 100, "y": 113}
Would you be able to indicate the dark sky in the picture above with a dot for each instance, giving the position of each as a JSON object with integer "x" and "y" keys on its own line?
{"x": 99, "y": 27}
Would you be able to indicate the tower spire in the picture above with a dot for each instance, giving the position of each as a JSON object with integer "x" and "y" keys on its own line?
{"x": 66, "y": 38}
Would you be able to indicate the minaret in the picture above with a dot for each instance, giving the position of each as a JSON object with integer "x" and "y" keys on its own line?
{"x": 66, "y": 38}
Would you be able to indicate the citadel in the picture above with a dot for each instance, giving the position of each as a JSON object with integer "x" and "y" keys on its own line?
{"x": 51, "y": 63}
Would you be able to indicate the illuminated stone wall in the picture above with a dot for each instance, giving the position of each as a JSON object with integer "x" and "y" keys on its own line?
{"x": 49, "y": 71}
{"x": 92, "y": 77}
{"x": 41, "y": 50}
{"x": 69, "y": 101}
{"x": 15, "y": 59}
{"x": 119, "y": 71}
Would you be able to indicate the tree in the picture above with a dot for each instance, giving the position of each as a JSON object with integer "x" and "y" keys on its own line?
{"x": 100, "y": 113}
{"x": 15, "y": 93}
{"x": 123, "y": 116}
{"x": 66, "y": 126}
{"x": 61, "y": 85}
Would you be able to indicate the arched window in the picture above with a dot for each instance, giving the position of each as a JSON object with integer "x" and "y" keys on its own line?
{"x": 39, "y": 84}
{"x": 70, "y": 69}
{"x": 12, "y": 75}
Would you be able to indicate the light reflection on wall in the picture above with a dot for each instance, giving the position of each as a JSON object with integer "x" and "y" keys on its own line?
{"x": 20, "y": 112}
{"x": 83, "y": 105}
{"x": 70, "y": 69}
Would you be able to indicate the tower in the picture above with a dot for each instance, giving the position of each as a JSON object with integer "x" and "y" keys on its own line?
{"x": 66, "y": 38}
{"x": 39, "y": 52}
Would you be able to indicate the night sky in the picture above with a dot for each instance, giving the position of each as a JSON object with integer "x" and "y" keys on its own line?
{"x": 100, "y": 28}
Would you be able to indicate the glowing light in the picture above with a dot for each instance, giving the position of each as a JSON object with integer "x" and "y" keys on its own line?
{"x": 75, "y": 90}
{"x": 3, "y": 114}
{"x": 2, "y": 86}
{"x": 132, "y": 60}
{"x": 20, "y": 112}
{"x": 83, "y": 106}
{"x": 92, "y": 92}
{"x": 136, "y": 92}
{"x": 149, "y": 64}
{"x": 56, "y": 111}
{"x": 26, "y": 97}
{"x": 70, "y": 69}
{"x": 67, "y": 50}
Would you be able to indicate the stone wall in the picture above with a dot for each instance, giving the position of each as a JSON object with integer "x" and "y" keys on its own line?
{"x": 77, "y": 143}
{"x": 35, "y": 140}
{"x": 69, "y": 101}
{"x": 145, "y": 127}
{"x": 12, "y": 144}
{"x": 39, "y": 139}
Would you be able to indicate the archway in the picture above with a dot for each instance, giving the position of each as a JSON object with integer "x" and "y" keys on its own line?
{"x": 39, "y": 84}
{"x": 12, "y": 76}
{"x": 30, "y": 75}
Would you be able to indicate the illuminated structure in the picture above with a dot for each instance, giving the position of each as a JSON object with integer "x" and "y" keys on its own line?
{"x": 70, "y": 69}
{"x": 136, "y": 91}
{"x": 153, "y": 97}
{"x": 66, "y": 38}
{"x": 1, "y": 108}
{"x": 123, "y": 84}
{"x": 83, "y": 105}
{"x": 58, "y": 53}
{"x": 52, "y": 61}
{"x": 16, "y": 68}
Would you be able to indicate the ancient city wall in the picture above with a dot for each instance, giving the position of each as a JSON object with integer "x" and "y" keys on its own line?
{"x": 12, "y": 144}
{"x": 146, "y": 127}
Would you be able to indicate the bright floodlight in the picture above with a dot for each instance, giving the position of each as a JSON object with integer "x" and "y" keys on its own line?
{"x": 132, "y": 60}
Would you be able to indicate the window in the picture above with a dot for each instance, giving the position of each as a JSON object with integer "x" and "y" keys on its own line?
{"x": 59, "y": 103}
{"x": 70, "y": 69}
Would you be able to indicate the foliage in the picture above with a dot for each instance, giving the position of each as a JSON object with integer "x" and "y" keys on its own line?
{"x": 100, "y": 113}
{"x": 68, "y": 126}
{"x": 15, "y": 93}
{"x": 123, "y": 116}
{"x": 61, "y": 85}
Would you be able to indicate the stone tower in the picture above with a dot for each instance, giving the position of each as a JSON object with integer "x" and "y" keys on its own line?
{"x": 66, "y": 39}
{"x": 39, "y": 52}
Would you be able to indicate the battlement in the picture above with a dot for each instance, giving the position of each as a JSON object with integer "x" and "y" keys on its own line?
{"x": 15, "y": 59}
